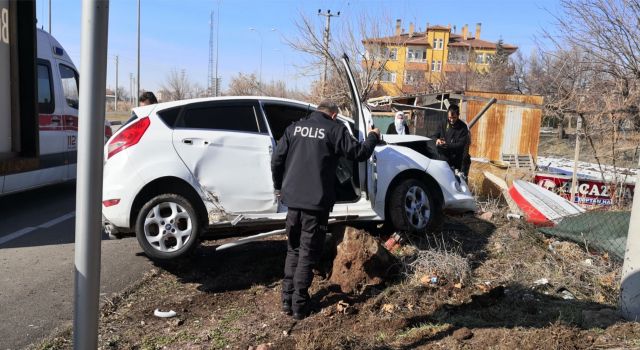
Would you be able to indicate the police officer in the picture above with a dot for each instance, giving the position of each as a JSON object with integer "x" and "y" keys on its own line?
{"x": 304, "y": 169}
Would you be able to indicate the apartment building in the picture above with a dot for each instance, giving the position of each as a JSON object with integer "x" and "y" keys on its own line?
{"x": 421, "y": 61}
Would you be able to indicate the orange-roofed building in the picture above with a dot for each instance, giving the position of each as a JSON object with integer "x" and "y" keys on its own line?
{"x": 420, "y": 61}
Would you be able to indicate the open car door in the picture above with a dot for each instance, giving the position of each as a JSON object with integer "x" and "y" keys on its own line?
{"x": 363, "y": 120}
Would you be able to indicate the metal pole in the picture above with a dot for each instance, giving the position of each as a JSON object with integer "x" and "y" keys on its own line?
{"x": 482, "y": 111}
{"x": 93, "y": 77}
{"x": 217, "y": 82}
{"x": 630, "y": 285}
{"x": 138, "y": 77}
{"x": 574, "y": 177}
{"x": 49, "y": 16}
{"x": 115, "y": 103}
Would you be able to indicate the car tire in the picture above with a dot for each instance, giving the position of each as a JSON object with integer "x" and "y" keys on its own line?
{"x": 167, "y": 227}
{"x": 414, "y": 208}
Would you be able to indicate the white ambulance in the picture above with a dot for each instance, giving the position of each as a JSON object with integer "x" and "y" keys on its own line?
{"x": 57, "y": 94}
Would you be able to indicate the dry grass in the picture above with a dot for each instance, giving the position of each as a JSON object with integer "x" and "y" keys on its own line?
{"x": 518, "y": 254}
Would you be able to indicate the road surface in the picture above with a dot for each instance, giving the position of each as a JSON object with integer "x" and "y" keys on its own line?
{"x": 37, "y": 269}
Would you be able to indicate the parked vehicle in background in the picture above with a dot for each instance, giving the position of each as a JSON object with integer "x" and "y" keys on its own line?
{"x": 181, "y": 167}
{"x": 57, "y": 93}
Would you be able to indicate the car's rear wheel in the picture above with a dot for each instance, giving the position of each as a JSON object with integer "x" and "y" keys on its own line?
{"x": 167, "y": 227}
{"x": 413, "y": 207}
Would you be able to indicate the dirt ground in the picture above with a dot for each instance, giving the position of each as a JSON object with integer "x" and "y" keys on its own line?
{"x": 488, "y": 300}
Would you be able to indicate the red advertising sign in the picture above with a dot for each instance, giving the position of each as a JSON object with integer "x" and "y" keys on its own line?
{"x": 588, "y": 192}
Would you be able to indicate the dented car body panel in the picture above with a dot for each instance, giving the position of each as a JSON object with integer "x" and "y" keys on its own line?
{"x": 232, "y": 165}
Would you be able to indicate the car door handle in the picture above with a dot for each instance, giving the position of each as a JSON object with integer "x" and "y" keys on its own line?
{"x": 195, "y": 142}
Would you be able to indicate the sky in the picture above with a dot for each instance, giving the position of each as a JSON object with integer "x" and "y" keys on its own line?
{"x": 175, "y": 34}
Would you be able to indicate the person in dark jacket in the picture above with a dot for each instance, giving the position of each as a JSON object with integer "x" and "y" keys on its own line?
{"x": 453, "y": 138}
{"x": 304, "y": 168}
{"x": 399, "y": 125}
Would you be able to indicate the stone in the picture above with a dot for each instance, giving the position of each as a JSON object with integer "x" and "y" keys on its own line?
{"x": 486, "y": 216}
{"x": 462, "y": 334}
{"x": 361, "y": 261}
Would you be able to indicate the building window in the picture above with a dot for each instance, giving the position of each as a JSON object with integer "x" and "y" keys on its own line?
{"x": 387, "y": 77}
{"x": 382, "y": 53}
{"x": 438, "y": 44}
{"x": 416, "y": 54}
{"x": 413, "y": 77}
{"x": 392, "y": 53}
{"x": 457, "y": 56}
{"x": 480, "y": 58}
{"x": 436, "y": 66}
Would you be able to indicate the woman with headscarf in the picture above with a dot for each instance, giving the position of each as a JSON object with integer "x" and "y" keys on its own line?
{"x": 399, "y": 126}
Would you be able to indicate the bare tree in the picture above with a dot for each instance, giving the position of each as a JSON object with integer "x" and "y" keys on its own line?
{"x": 248, "y": 85}
{"x": 243, "y": 85}
{"x": 367, "y": 60}
{"x": 608, "y": 34}
{"x": 178, "y": 86}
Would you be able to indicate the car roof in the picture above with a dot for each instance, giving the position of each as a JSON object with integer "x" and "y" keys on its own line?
{"x": 146, "y": 110}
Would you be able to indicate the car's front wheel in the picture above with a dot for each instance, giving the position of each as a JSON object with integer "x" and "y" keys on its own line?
{"x": 413, "y": 207}
{"x": 167, "y": 227}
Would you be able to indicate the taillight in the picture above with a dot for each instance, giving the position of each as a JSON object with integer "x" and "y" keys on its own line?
{"x": 110, "y": 202}
{"x": 128, "y": 137}
{"x": 107, "y": 132}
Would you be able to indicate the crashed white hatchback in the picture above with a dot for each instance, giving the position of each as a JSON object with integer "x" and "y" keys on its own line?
{"x": 181, "y": 169}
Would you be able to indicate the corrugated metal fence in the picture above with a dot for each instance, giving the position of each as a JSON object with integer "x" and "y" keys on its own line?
{"x": 510, "y": 126}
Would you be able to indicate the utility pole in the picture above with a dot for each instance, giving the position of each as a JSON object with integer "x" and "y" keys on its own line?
{"x": 138, "y": 78}
{"x": 131, "y": 89}
{"x": 574, "y": 178}
{"x": 115, "y": 102}
{"x": 327, "y": 34}
{"x": 630, "y": 284}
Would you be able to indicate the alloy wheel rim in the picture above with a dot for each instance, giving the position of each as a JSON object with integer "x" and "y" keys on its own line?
{"x": 416, "y": 206}
{"x": 168, "y": 227}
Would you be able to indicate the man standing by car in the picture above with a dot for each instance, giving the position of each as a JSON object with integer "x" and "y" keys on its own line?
{"x": 452, "y": 138}
{"x": 304, "y": 169}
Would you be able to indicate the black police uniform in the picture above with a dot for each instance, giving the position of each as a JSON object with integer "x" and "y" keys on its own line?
{"x": 304, "y": 170}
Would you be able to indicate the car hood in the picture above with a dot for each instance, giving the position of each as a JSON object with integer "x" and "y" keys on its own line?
{"x": 395, "y": 139}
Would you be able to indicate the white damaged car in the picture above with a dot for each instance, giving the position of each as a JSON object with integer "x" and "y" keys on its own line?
{"x": 180, "y": 169}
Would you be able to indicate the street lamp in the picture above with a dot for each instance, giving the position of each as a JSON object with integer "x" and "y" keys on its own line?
{"x": 260, "y": 77}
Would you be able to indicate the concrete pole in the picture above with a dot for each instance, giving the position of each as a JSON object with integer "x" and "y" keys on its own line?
{"x": 576, "y": 157}
{"x": 93, "y": 78}
{"x": 630, "y": 285}
{"x": 138, "y": 77}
